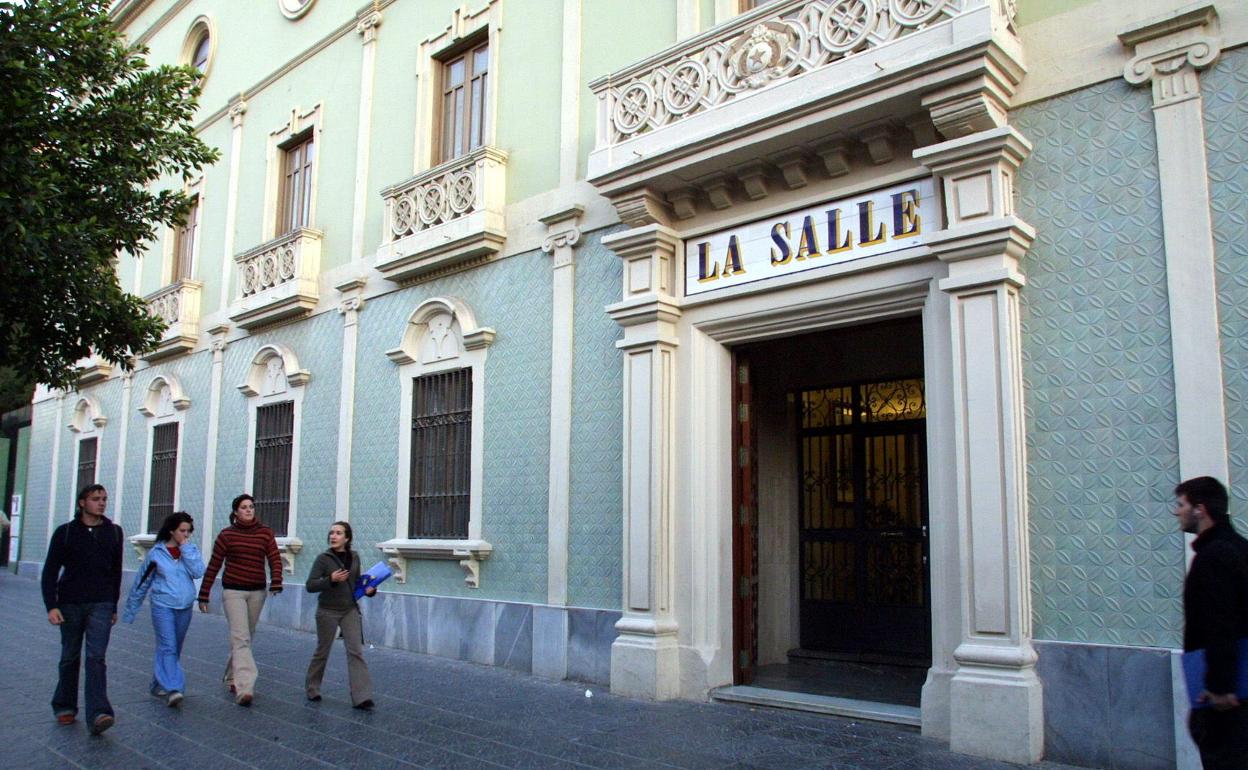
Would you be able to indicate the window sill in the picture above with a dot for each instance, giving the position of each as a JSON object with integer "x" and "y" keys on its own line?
{"x": 469, "y": 554}
{"x": 142, "y": 544}
{"x": 288, "y": 547}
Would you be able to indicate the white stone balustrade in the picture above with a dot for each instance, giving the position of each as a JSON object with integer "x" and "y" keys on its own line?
{"x": 277, "y": 280}
{"x": 774, "y": 43}
{"x": 178, "y": 306}
{"x": 445, "y": 218}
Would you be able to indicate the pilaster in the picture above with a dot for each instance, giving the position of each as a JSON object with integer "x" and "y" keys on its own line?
{"x": 644, "y": 657}
{"x": 996, "y": 705}
{"x": 57, "y": 428}
{"x": 238, "y": 108}
{"x": 217, "y": 346}
{"x": 1169, "y": 53}
{"x": 117, "y": 493}
{"x": 367, "y": 25}
{"x": 562, "y": 236}
{"x": 352, "y": 293}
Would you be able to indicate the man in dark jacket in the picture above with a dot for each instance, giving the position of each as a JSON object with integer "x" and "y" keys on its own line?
{"x": 81, "y": 586}
{"x": 1215, "y": 611}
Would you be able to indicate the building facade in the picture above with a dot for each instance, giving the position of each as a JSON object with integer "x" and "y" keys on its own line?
{"x": 671, "y": 343}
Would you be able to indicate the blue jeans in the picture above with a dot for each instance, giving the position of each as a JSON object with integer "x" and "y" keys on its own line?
{"x": 95, "y": 622}
{"x": 170, "y": 626}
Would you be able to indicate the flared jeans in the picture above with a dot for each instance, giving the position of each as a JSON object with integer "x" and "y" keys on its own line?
{"x": 170, "y": 626}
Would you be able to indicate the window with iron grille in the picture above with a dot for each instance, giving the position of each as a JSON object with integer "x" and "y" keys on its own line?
{"x": 296, "y": 197}
{"x": 164, "y": 474}
{"x": 465, "y": 101}
{"x": 441, "y": 455}
{"x": 275, "y": 438}
{"x": 88, "y": 448}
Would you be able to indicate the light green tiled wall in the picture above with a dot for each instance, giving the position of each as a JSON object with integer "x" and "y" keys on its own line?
{"x": 513, "y": 296}
{"x": 1225, "y": 91}
{"x": 596, "y": 519}
{"x": 1107, "y": 562}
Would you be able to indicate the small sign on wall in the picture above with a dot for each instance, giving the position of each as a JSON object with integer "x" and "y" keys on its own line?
{"x": 15, "y": 528}
{"x": 843, "y": 230}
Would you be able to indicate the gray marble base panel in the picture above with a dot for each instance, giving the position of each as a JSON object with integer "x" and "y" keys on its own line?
{"x": 555, "y": 642}
{"x": 1107, "y": 706}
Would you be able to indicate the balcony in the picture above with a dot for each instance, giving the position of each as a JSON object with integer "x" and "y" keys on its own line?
{"x": 277, "y": 280}
{"x": 178, "y": 306}
{"x": 446, "y": 218}
{"x": 780, "y": 92}
{"x": 93, "y": 369}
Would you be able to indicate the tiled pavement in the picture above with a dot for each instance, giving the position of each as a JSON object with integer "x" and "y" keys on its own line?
{"x": 432, "y": 712}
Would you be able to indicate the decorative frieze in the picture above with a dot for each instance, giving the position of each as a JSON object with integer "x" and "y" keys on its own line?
{"x": 177, "y": 305}
{"x": 779, "y": 42}
{"x": 448, "y": 216}
{"x": 277, "y": 280}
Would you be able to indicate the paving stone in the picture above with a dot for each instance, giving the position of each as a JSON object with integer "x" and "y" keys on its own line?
{"x": 431, "y": 713}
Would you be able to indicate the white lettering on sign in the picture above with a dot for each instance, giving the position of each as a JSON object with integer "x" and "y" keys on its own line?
{"x": 840, "y": 231}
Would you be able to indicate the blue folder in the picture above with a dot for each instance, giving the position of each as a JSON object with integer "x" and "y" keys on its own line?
{"x": 376, "y": 575}
{"x": 1194, "y": 672}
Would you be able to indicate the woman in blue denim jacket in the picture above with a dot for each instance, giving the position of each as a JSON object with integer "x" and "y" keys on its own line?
{"x": 169, "y": 573}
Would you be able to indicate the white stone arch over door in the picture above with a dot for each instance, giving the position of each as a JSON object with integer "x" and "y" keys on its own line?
{"x": 441, "y": 335}
{"x": 164, "y": 401}
{"x": 275, "y": 376}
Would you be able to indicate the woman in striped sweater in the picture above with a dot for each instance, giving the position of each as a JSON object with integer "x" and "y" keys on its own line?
{"x": 244, "y": 546}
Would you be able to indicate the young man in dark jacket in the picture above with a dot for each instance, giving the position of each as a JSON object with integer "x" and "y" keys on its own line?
{"x": 81, "y": 586}
{"x": 1215, "y": 612}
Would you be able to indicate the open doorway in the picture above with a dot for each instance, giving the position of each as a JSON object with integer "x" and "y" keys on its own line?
{"x": 831, "y": 570}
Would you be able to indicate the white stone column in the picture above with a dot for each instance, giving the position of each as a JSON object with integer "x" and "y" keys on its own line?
{"x": 1168, "y": 53}
{"x": 560, "y": 242}
{"x": 644, "y": 658}
{"x": 367, "y": 25}
{"x": 238, "y": 108}
{"x": 58, "y": 426}
{"x": 117, "y": 493}
{"x": 352, "y": 302}
{"x": 996, "y": 705}
{"x": 218, "y": 345}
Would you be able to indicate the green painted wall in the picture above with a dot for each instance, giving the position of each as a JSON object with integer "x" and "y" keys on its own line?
{"x": 1030, "y": 11}
{"x": 527, "y": 126}
{"x": 605, "y": 50}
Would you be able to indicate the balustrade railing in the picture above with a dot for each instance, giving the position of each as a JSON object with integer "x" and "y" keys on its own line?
{"x": 776, "y": 42}
{"x": 278, "y": 279}
{"x": 444, "y": 193}
{"x": 178, "y": 306}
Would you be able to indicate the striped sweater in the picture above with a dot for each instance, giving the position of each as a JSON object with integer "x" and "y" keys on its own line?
{"x": 244, "y": 551}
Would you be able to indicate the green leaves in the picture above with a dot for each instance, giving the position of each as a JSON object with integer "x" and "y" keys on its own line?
{"x": 85, "y": 128}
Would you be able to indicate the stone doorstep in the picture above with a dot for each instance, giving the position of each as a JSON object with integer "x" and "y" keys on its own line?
{"x": 819, "y": 704}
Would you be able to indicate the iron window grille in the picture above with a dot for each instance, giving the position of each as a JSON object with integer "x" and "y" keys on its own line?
{"x": 275, "y": 438}
{"x": 441, "y": 461}
{"x": 164, "y": 474}
{"x": 88, "y": 448}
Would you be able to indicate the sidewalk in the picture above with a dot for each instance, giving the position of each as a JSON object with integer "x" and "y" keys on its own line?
{"x": 431, "y": 712}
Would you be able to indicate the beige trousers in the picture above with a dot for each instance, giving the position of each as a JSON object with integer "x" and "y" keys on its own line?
{"x": 327, "y": 624}
{"x": 242, "y": 610}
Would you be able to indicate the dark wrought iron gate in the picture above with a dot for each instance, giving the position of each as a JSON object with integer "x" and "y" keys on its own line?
{"x": 863, "y": 521}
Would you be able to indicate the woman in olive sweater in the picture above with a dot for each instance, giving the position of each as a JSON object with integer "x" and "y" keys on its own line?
{"x": 334, "y": 576}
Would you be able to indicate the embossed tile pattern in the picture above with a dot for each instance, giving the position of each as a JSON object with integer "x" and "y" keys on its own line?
{"x": 1106, "y": 562}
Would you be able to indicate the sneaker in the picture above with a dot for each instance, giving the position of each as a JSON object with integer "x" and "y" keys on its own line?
{"x": 101, "y": 723}
{"x": 66, "y": 719}
{"x": 160, "y": 693}
{"x": 243, "y": 699}
{"x": 314, "y": 698}
{"x": 364, "y": 705}
{"x": 175, "y": 699}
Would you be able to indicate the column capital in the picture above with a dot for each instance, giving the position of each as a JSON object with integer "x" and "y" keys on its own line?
{"x": 983, "y": 239}
{"x": 218, "y": 335}
{"x": 367, "y": 23}
{"x": 563, "y": 232}
{"x": 1170, "y": 50}
{"x": 352, "y": 292}
{"x": 238, "y": 108}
